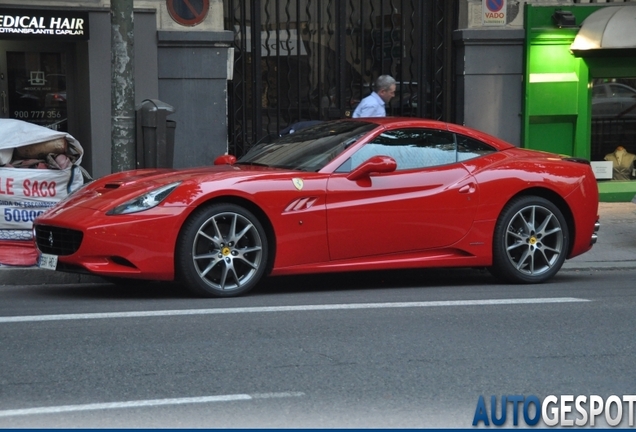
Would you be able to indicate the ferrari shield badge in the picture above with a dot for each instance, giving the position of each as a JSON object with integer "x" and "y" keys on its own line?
{"x": 298, "y": 183}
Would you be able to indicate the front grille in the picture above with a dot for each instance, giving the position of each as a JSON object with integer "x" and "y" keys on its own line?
{"x": 57, "y": 241}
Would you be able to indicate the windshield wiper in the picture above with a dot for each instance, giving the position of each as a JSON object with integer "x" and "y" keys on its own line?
{"x": 350, "y": 141}
{"x": 252, "y": 164}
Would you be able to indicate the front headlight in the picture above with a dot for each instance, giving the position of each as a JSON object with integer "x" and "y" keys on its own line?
{"x": 146, "y": 201}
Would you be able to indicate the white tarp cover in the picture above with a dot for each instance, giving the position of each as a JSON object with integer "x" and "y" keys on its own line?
{"x": 18, "y": 133}
{"x": 26, "y": 193}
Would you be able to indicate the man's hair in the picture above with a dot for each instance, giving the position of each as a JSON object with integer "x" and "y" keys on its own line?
{"x": 383, "y": 82}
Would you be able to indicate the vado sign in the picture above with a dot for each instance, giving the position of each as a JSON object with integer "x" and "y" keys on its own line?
{"x": 493, "y": 12}
{"x": 43, "y": 24}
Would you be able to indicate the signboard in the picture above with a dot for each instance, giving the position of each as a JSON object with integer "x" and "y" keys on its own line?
{"x": 43, "y": 24}
{"x": 603, "y": 170}
{"x": 493, "y": 12}
{"x": 188, "y": 12}
{"x": 273, "y": 43}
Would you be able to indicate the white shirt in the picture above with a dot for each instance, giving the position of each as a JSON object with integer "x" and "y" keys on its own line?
{"x": 370, "y": 106}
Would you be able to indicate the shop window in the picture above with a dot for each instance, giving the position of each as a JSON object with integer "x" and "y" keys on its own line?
{"x": 37, "y": 88}
{"x": 614, "y": 125}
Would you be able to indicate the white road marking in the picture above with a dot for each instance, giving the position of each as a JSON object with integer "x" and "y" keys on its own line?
{"x": 323, "y": 307}
{"x": 145, "y": 403}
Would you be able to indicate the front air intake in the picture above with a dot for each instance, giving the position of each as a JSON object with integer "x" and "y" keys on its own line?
{"x": 57, "y": 241}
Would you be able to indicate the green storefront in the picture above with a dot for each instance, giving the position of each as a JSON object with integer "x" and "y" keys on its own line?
{"x": 580, "y": 89}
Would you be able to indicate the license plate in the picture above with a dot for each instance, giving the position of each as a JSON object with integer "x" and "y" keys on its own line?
{"x": 48, "y": 261}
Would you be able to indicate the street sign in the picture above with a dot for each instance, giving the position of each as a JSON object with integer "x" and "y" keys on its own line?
{"x": 188, "y": 12}
{"x": 493, "y": 12}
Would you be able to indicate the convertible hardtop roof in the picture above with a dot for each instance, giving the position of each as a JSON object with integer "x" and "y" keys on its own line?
{"x": 436, "y": 124}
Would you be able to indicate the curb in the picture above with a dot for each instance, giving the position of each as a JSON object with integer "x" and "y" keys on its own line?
{"x": 598, "y": 265}
{"x": 38, "y": 276}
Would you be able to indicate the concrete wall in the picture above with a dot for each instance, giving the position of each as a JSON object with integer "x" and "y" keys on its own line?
{"x": 489, "y": 81}
{"x": 193, "y": 74}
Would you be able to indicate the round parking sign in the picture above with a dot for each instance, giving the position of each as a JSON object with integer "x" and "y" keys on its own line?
{"x": 494, "y": 5}
{"x": 188, "y": 12}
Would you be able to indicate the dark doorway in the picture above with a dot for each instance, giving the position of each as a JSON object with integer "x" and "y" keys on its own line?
{"x": 37, "y": 88}
{"x": 36, "y": 83}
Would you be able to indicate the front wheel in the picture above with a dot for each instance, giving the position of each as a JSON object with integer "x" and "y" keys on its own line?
{"x": 222, "y": 251}
{"x": 530, "y": 242}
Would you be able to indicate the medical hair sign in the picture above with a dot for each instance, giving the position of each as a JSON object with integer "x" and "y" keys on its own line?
{"x": 43, "y": 24}
{"x": 493, "y": 12}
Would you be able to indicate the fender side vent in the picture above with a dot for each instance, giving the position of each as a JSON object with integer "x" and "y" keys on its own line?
{"x": 301, "y": 204}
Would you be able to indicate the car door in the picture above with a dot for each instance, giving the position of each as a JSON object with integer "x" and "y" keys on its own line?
{"x": 428, "y": 202}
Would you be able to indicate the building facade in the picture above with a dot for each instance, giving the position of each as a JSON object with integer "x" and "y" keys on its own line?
{"x": 55, "y": 70}
{"x": 465, "y": 61}
{"x": 525, "y": 81}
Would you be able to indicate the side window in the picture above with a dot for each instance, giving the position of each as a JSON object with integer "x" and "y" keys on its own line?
{"x": 598, "y": 91}
{"x": 623, "y": 92}
{"x": 469, "y": 148}
{"x": 411, "y": 148}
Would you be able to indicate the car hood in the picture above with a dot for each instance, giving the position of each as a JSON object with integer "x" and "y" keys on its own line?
{"x": 162, "y": 176}
{"x": 112, "y": 190}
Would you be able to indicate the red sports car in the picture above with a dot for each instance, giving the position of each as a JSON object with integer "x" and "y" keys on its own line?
{"x": 347, "y": 195}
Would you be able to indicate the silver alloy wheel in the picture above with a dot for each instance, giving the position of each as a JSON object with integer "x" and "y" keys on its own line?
{"x": 227, "y": 251}
{"x": 534, "y": 240}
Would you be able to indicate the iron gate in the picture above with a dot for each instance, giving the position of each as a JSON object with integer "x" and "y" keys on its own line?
{"x": 298, "y": 60}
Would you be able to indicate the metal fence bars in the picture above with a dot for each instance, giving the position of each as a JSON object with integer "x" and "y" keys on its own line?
{"x": 298, "y": 60}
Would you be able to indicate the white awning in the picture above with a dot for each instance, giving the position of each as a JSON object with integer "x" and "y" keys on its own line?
{"x": 608, "y": 31}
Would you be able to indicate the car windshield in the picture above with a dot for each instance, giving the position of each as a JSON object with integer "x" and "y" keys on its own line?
{"x": 308, "y": 149}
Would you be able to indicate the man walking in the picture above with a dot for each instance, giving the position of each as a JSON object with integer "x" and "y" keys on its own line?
{"x": 374, "y": 104}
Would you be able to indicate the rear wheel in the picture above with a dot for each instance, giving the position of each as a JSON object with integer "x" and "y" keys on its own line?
{"x": 530, "y": 242}
{"x": 222, "y": 251}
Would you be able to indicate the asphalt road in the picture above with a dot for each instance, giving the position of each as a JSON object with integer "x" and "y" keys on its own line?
{"x": 407, "y": 349}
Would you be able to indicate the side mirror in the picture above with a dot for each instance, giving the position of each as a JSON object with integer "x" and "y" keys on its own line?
{"x": 225, "y": 160}
{"x": 374, "y": 165}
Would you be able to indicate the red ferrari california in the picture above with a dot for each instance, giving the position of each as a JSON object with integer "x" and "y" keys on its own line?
{"x": 341, "y": 196}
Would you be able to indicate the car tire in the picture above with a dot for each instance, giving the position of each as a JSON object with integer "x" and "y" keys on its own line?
{"x": 531, "y": 241}
{"x": 222, "y": 251}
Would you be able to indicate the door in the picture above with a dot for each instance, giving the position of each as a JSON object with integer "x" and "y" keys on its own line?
{"x": 428, "y": 202}
{"x": 33, "y": 83}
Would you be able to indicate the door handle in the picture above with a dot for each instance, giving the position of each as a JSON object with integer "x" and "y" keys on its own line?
{"x": 4, "y": 102}
{"x": 469, "y": 188}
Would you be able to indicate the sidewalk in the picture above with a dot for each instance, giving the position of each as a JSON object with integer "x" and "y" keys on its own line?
{"x": 616, "y": 248}
{"x": 616, "y": 245}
